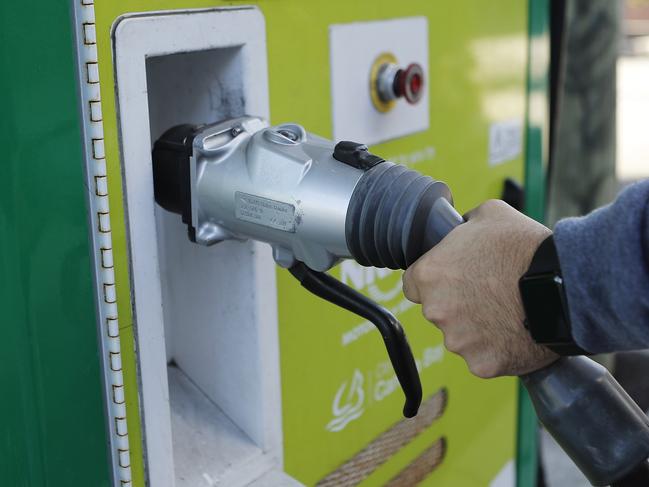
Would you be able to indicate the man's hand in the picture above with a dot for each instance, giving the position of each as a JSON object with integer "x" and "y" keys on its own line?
{"x": 468, "y": 286}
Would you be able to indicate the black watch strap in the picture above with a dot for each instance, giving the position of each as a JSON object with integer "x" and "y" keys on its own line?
{"x": 544, "y": 300}
{"x": 546, "y": 259}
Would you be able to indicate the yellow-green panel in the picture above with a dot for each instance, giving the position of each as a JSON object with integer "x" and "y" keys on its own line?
{"x": 477, "y": 76}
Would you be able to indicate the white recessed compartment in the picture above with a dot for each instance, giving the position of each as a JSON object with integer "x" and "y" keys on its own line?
{"x": 205, "y": 317}
{"x": 354, "y": 48}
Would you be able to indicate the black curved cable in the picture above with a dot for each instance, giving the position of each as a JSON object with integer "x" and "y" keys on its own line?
{"x": 330, "y": 289}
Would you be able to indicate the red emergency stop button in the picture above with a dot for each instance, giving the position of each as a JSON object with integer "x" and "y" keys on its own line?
{"x": 409, "y": 83}
{"x": 389, "y": 82}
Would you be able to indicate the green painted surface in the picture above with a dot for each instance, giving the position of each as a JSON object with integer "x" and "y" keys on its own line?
{"x": 535, "y": 167}
{"x": 478, "y": 75}
{"x": 537, "y": 110}
{"x": 53, "y": 430}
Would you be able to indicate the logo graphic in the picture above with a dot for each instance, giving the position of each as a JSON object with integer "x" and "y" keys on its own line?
{"x": 348, "y": 403}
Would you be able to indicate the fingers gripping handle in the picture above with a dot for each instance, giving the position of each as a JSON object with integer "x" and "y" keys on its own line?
{"x": 577, "y": 400}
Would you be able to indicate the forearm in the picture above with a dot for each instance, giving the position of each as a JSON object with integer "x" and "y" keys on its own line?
{"x": 605, "y": 265}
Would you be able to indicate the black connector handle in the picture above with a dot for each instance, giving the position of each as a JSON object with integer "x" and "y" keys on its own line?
{"x": 593, "y": 419}
{"x": 330, "y": 289}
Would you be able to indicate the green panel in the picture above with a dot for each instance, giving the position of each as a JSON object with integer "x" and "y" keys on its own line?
{"x": 538, "y": 109}
{"x": 53, "y": 431}
{"x": 535, "y": 167}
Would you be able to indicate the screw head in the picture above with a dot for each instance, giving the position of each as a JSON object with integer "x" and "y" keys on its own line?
{"x": 289, "y": 134}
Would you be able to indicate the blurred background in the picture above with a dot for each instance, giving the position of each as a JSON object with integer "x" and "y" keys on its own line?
{"x": 633, "y": 93}
{"x": 599, "y": 144}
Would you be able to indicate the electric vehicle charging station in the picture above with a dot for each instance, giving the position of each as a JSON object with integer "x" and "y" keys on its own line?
{"x": 218, "y": 368}
{"x": 224, "y": 342}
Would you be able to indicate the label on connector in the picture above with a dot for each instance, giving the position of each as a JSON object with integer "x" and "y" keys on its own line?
{"x": 263, "y": 211}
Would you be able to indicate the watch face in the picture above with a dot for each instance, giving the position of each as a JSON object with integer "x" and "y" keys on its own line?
{"x": 543, "y": 300}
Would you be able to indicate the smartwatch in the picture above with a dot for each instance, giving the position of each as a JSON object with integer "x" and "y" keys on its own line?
{"x": 544, "y": 300}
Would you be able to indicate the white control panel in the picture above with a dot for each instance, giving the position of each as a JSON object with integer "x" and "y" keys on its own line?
{"x": 354, "y": 50}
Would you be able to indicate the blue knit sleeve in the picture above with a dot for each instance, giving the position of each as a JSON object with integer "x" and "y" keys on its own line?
{"x": 604, "y": 259}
